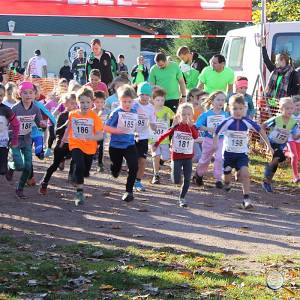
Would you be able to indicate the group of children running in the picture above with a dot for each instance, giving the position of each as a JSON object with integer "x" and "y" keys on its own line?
{"x": 206, "y": 129}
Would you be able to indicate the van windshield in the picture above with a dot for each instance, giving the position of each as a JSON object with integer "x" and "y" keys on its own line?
{"x": 287, "y": 42}
{"x": 236, "y": 53}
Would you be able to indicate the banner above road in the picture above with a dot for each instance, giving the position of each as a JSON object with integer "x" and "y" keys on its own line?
{"x": 207, "y": 10}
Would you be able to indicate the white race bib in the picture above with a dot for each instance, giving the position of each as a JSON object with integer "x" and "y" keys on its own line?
{"x": 297, "y": 118}
{"x": 161, "y": 128}
{"x": 3, "y": 132}
{"x": 215, "y": 121}
{"x": 26, "y": 124}
{"x": 142, "y": 124}
{"x": 82, "y": 128}
{"x": 127, "y": 121}
{"x": 183, "y": 142}
{"x": 236, "y": 141}
{"x": 279, "y": 135}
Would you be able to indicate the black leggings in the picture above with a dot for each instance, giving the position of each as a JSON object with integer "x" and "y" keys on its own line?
{"x": 100, "y": 152}
{"x": 60, "y": 153}
{"x": 3, "y": 160}
{"x": 130, "y": 154}
{"x": 82, "y": 164}
{"x": 51, "y": 137}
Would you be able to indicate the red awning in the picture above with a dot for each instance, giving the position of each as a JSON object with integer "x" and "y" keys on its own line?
{"x": 208, "y": 10}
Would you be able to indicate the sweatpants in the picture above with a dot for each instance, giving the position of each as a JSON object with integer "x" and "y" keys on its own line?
{"x": 22, "y": 161}
{"x": 206, "y": 156}
{"x": 100, "y": 152}
{"x": 51, "y": 137}
{"x": 294, "y": 153}
{"x": 130, "y": 154}
{"x": 60, "y": 153}
{"x": 177, "y": 166}
{"x": 82, "y": 165}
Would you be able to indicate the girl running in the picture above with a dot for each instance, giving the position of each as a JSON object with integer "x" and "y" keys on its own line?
{"x": 7, "y": 120}
{"x": 184, "y": 133}
{"x": 208, "y": 122}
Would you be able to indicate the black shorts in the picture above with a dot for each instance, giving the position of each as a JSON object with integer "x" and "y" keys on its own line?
{"x": 3, "y": 160}
{"x": 278, "y": 152}
{"x": 172, "y": 104}
{"x": 234, "y": 161}
{"x": 142, "y": 148}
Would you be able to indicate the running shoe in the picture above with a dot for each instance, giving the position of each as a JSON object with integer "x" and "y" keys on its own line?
{"x": 9, "y": 174}
{"x": 101, "y": 168}
{"x": 198, "y": 180}
{"x": 267, "y": 187}
{"x": 227, "y": 187}
{"x": 139, "y": 186}
{"x": 43, "y": 189}
{"x": 182, "y": 203}
{"x": 219, "y": 184}
{"x": 20, "y": 194}
{"x": 48, "y": 152}
{"x": 61, "y": 166}
{"x": 127, "y": 197}
{"x": 155, "y": 179}
{"x": 79, "y": 198}
{"x": 161, "y": 162}
{"x": 296, "y": 180}
{"x": 247, "y": 204}
{"x": 31, "y": 182}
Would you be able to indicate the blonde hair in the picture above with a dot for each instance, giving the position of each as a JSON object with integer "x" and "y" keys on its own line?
{"x": 68, "y": 97}
{"x": 209, "y": 101}
{"x": 183, "y": 106}
{"x": 237, "y": 99}
{"x": 126, "y": 91}
{"x": 85, "y": 91}
{"x": 284, "y": 101}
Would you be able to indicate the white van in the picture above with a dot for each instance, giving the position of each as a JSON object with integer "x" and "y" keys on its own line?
{"x": 243, "y": 54}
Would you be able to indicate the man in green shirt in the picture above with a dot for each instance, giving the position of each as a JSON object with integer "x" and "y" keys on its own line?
{"x": 168, "y": 76}
{"x": 216, "y": 77}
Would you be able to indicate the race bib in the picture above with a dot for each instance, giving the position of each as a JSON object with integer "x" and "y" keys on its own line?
{"x": 142, "y": 124}
{"x": 214, "y": 121}
{"x": 297, "y": 118}
{"x": 182, "y": 142}
{"x": 82, "y": 128}
{"x": 279, "y": 135}
{"x": 161, "y": 128}
{"x": 26, "y": 124}
{"x": 127, "y": 121}
{"x": 3, "y": 132}
{"x": 236, "y": 141}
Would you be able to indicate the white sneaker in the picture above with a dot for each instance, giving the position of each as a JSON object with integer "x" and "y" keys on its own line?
{"x": 247, "y": 204}
{"x": 182, "y": 203}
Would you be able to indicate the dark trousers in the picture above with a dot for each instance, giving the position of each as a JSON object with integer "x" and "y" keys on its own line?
{"x": 51, "y": 137}
{"x": 3, "y": 160}
{"x": 82, "y": 165}
{"x": 173, "y": 104}
{"x": 100, "y": 152}
{"x": 130, "y": 154}
{"x": 60, "y": 153}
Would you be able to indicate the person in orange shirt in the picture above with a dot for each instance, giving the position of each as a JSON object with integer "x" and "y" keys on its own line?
{"x": 84, "y": 129}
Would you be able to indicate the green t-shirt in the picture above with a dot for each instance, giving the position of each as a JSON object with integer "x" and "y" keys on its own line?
{"x": 190, "y": 74}
{"x": 164, "y": 115}
{"x": 167, "y": 79}
{"x": 139, "y": 77}
{"x": 215, "y": 81}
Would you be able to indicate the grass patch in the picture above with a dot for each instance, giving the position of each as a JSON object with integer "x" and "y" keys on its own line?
{"x": 89, "y": 271}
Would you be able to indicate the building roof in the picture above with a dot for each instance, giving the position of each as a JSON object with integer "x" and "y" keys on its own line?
{"x": 72, "y": 25}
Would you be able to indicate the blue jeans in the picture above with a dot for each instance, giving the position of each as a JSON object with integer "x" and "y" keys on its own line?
{"x": 22, "y": 161}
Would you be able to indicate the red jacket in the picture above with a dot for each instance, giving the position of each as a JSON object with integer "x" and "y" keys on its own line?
{"x": 180, "y": 128}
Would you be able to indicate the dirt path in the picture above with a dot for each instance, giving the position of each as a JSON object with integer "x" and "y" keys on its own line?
{"x": 212, "y": 223}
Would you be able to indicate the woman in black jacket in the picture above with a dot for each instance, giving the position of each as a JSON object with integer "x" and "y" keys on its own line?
{"x": 139, "y": 72}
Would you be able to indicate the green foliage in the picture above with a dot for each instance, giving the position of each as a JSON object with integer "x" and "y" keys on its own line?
{"x": 278, "y": 11}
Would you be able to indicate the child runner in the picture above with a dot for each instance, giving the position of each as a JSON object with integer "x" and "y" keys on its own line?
{"x": 294, "y": 145}
{"x": 102, "y": 112}
{"x": 235, "y": 150}
{"x": 208, "y": 122}
{"x": 84, "y": 129}
{"x": 184, "y": 133}
{"x": 27, "y": 113}
{"x": 146, "y": 119}
{"x": 7, "y": 120}
{"x": 281, "y": 127}
{"x": 10, "y": 94}
{"x": 164, "y": 115}
{"x": 241, "y": 86}
{"x": 95, "y": 82}
{"x": 60, "y": 153}
{"x": 125, "y": 119}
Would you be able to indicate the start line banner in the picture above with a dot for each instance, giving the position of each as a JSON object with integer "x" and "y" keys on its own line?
{"x": 207, "y": 10}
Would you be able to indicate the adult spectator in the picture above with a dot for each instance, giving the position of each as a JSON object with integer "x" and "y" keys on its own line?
{"x": 216, "y": 77}
{"x": 101, "y": 60}
{"x": 16, "y": 67}
{"x": 140, "y": 71}
{"x": 283, "y": 81}
{"x": 121, "y": 67}
{"x": 199, "y": 62}
{"x": 78, "y": 67}
{"x": 189, "y": 73}
{"x": 168, "y": 76}
{"x": 65, "y": 71}
{"x": 37, "y": 66}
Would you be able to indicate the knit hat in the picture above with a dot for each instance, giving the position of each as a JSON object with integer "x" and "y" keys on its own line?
{"x": 144, "y": 88}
